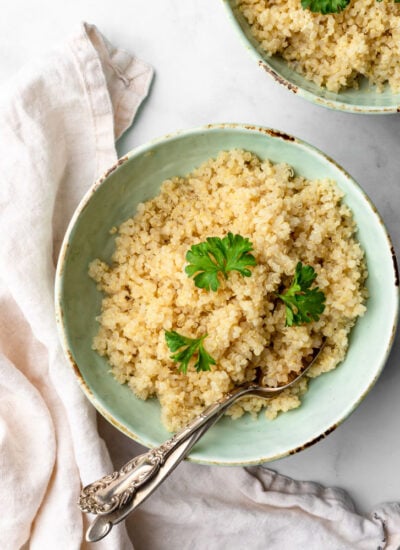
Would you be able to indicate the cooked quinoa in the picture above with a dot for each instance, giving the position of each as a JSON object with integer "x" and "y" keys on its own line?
{"x": 146, "y": 291}
{"x": 331, "y": 50}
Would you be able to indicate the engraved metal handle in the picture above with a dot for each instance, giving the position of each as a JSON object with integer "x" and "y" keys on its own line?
{"x": 116, "y": 495}
{"x": 115, "y": 490}
{"x": 103, "y": 523}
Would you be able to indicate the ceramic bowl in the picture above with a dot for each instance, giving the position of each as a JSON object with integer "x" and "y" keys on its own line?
{"x": 364, "y": 100}
{"x": 136, "y": 178}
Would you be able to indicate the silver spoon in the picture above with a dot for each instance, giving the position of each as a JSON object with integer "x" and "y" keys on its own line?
{"x": 115, "y": 496}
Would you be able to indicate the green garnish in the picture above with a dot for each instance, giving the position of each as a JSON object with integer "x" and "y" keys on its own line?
{"x": 215, "y": 255}
{"x": 325, "y": 6}
{"x": 303, "y": 304}
{"x": 188, "y": 347}
{"x": 328, "y": 6}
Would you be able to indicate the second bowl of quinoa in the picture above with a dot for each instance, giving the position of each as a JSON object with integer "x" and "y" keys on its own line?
{"x": 348, "y": 60}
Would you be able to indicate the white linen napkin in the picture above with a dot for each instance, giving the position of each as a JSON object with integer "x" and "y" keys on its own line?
{"x": 58, "y": 125}
{"x": 215, "y": 508}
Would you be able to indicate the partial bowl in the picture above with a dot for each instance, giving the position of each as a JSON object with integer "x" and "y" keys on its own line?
{"x": 136, "y": 178}
{"x": 365, "y": 100}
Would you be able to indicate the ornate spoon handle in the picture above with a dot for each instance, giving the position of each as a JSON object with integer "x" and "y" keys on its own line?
{"x": 115, "y": 490}
{"x": 103, "y": 523}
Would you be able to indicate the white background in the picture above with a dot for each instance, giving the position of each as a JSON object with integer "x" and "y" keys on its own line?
{"x": 204, "y": 74}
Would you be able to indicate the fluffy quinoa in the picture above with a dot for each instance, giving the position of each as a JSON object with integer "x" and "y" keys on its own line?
{"x": 331, "y": 50}
{"x": 146, "y": 291}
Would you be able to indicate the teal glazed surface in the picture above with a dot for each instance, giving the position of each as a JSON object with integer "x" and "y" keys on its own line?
{"x": 365, "y": 100}
{"x": 136, "y": 178}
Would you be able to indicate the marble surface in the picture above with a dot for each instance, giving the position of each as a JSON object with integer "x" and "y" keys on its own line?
{"x": 204, "y": 74}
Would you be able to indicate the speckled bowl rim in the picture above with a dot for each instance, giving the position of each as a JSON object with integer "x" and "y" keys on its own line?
{"x": 294, "y": 88}
{"x": 65, "y": 244}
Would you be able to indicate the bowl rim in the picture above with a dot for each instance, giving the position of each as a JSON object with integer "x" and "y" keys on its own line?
{"x": 298, "y": 90}
{"x": 59, "y": 313}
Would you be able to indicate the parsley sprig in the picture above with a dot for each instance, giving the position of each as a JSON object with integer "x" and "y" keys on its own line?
{"x": 189, "y": 348}
{"x": 328, "y": 6}
{"x": 219, "y": 256}
{"x": 302, "y": 303}
{"x": 325, "y": 6}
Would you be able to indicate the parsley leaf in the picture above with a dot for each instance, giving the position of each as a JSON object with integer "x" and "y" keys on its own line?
{"x": 325, "y": 6}
{"x": 215, "y": 255}
{"x": 328, "y": 6}
{"x": 188, "y": 348}
{"x": 303, "y": 304}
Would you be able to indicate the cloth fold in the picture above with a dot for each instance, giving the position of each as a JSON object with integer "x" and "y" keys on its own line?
{"x": 58, "y": 124}
{"x": 214, "y": 508}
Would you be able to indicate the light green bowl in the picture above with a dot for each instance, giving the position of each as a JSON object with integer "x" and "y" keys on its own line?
{"x": 113, "y": 199}
{"x": 365, "y": 100}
